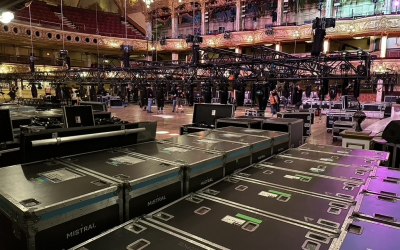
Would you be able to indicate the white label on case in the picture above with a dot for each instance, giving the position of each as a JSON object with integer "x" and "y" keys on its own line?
{"x": 253, "y": 130}
{"x": 325, "y": 159}
{"x": 233, "y": 220}
{"x": 267, "y": 194}
{"x": 126, "y": 159}
{"x": 60, "y": 175}
{"x": 213, "y": 112}
{"x": 292, "y": 177}
{"x": 317, "y": 170}
{"x": 207, "y": 141}
{"x": 231, "y": 135}
{"x": 176, "y": 149}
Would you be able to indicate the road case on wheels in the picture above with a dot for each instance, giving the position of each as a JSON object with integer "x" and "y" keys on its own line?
{"x": 329, "y": 158}
{"x": 280, "y": 140}
{"x": 200, "y": 167}
{"x": 372, "y": 154}
{"x": 140, "y": 234}
{"x": 50, "y": 205}
{"x": 148, "y": 184}
{"x": 233, "y": 227}
{"x": 236, "y": 155}
{"x": 320, "y": 212}
{"x": 333, "y": 188}
{"x": 328, "y": 169}
{"x": 261, "y": 147}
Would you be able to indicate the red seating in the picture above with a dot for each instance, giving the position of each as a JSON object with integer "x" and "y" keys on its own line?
{"x": 109, "y": 24}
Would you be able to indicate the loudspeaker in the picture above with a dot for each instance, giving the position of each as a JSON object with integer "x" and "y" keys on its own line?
{"x": 318, "y": 42}
{"x": 391, "y": 133}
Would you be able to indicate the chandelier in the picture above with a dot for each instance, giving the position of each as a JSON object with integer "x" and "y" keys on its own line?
{"x": 148, "y": 2}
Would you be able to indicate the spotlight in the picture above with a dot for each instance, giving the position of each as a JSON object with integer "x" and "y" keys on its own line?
{"x": 227, "y": 35}
{"x": 6, "y": 17}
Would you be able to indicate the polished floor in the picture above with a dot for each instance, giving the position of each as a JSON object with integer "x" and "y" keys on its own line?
{"x": 168, "y": 123}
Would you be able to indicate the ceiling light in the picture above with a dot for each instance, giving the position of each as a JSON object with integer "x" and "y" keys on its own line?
{"x": 6, "y": 17}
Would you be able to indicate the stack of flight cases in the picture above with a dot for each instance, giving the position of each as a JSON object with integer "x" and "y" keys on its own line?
{"x": 205, "y": 115}
{"x": 260, "y": 147}
{"x": 292, "y": 126}
{"x": 307, "y": 117}
{"x": 199, "y": 167}
{"x": 280, "y": 140}
{"x": 147, "y": 184}
{"x": 236, "y": 155}
{"x": 260, "y": 206}
{"x": 55, "y": 206}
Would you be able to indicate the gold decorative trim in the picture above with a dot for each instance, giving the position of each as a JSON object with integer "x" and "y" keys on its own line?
{"x": 376, "y": 26}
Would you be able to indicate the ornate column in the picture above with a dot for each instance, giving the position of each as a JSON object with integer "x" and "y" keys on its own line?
{"x": 326, "y": 46}
{"x": 329, "y": 8}
{"x": 379, "y": 91}
{"x": 238, "y": 50}
{"x": 175, "y": 56}
{"x": 278, "y": 47}
{"x": 238, "y": 15}
{"x": 279, "y": 11}
{"x": 383, "y": 46}
{"x": 174, "y": 23}
{"x": 149, "y": 22}
{"x": 203, "y": 18}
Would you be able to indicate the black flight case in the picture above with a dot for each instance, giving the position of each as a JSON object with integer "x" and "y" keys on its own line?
{"x": 364, "y": 234}
{"x": 280, "y": 140}
{"x": 387, "y": 173}
{"x": 238, "y": 122}
{"x": 51, "y": 205}
{"x": 141, "y": 234}
{"x": 377, "y": 207}
{"x": 200, "y": 167}
{"x": 261, "y": 147}
{"x": 314, "y": 184}
{"x": 316, "y": 211}
{"x": 236, "y": 155}
{"x": 148, "y": 184}
{"x": 328, "y": 169}
{"x": 234, "y": 227}
{"x": 289, "y": 125}
{"x": 388, "y": 186}
{"x": 330, "y": 158}
{"x": 371, "y": 154}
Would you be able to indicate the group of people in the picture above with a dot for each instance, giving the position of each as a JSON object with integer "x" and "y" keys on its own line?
{"x": 147, "y": 97}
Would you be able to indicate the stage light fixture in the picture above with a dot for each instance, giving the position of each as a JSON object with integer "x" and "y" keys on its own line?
{"x": 6, "y": 17}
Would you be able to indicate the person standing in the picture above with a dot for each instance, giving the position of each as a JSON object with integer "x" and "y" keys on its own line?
{"x": 272, "y": 102}
{"x": 150, "y": 97}
{"x": 143, "y": 98}
{"x": 278, "y": 101}
{"x": 175, "y": 99}
{"x": 34, "y": 91}
{"x": 160, "y": 100}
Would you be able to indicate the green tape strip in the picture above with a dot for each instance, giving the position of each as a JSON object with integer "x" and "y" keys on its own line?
{"x": 279, "y": 193}
{"x": 304, "y": 177}
{"x": 247, "y": 218}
